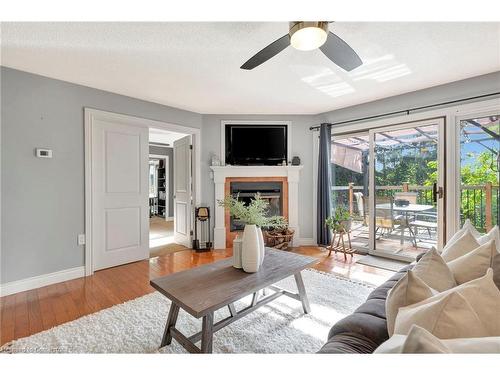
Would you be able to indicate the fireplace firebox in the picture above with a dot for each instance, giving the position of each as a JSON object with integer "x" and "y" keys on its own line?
{"x": 272, "y": 191}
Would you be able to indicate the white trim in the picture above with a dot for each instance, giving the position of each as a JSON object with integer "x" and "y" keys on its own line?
{"x": 223, "y": 123}
{"x": 170, "y": 218}
{"x": 89, "y": 115}
{"x": 42, "y": 280}
{"x": 220, "y": 174}
{"x": 305, "y": 241}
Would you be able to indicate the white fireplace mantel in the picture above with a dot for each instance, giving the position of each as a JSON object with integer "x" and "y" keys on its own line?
{"x": 220, "y": 173}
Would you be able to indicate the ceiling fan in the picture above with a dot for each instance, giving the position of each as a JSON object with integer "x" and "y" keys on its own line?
{"x": 306, "y": 36}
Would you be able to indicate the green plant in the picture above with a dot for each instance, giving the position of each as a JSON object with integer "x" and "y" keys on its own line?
{"x": 335, "y": 221}
{"x": 255, "y": 213}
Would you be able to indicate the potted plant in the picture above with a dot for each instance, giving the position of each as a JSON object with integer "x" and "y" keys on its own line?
{"x": 254, "y": 216}
{"x": 340, "y": 221}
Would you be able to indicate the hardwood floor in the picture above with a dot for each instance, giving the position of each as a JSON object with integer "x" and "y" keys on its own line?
{"x": 26, "y": 313}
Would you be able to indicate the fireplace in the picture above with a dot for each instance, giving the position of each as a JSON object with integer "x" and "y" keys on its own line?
{"x": 272, "y": 191}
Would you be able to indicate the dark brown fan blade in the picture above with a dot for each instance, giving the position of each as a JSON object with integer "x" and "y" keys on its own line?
{"x": 340, "y": 53}
{"x": 266, "y": 53}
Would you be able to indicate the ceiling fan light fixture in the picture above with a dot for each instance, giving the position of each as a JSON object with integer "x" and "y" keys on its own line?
{"x": 306, "y": 36}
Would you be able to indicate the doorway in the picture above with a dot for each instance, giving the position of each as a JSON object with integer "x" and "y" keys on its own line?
{"x": 117, "y": 189}
{"x": 162, "y": 174}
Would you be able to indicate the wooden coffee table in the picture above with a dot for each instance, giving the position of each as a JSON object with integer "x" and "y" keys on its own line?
{"x": 203, "y": 290}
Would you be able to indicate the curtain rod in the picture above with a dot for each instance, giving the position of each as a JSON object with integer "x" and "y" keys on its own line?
{"x": 407, "y": 111}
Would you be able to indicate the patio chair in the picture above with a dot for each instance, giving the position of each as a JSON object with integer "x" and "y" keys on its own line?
{"x": 385, "y": 220}
{"x": 407, "y": 195}
{"x": 426, "y": 220}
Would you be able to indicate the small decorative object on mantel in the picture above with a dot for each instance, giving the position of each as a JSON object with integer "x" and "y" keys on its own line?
{"x": 254, "y": 215}
{"x": 340, "y": 225}
{"x": 295, "y": 160}
{"x": 279, "y": 235}
{"x": 201, "y": 240}
{"x": 215, "y": 161}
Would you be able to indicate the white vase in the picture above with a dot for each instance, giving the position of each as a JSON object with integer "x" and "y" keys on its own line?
{"x": 261, "y": 246}
{"x": 237, "y": 244}
{"x": 250, "y": 254}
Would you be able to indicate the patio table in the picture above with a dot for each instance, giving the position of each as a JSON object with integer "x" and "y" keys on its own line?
{"x": 405, "y": 210}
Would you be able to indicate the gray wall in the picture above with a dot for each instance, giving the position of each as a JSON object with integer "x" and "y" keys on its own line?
{"x": 475, "y": 86}
{"x": 43, "y": 199}
{"x": 168, "y": 151}
{"x": 301, "y": 146}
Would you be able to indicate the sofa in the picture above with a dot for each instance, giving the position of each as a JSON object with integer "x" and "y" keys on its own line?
{"x": 365, "y": 329}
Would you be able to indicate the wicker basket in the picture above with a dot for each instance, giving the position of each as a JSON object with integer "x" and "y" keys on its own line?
{"x": 278, "y": 240}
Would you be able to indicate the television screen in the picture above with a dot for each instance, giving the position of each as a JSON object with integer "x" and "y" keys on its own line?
{"x": 256, "y": 144}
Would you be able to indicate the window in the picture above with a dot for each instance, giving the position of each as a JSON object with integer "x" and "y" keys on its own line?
{"x": 479, "y": 171}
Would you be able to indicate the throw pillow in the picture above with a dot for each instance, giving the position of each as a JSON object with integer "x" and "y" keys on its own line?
{"x": 463, "y": 245}
{"x": 434, "y": 272}
{"x": 493, "y": 234}
{"x": 468, "y": 310}
{"x": 473, "y": 264}
{"x": 467, "y": 226}
{"x": 409, "y": 290}
{"x": 449, "y": 316}
{"x": 419, "y": 340}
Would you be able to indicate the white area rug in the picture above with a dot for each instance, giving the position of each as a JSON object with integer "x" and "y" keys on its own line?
{"x": 137, "y": 326}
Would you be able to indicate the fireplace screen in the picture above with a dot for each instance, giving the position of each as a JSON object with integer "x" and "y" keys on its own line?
{"x": 271, "y": 191}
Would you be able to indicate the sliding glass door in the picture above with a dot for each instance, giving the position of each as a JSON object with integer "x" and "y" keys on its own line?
{"x": 391, "y": 181}
{"x": 406, "y": 189}
{"x": 479, "y": 171}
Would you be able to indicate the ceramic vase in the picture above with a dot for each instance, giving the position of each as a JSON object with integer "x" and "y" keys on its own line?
{"x": 262, "y": 246}
{"x": 251, "y": 249}
{"x": 237, "y": 247}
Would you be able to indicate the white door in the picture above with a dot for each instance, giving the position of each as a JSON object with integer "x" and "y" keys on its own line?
{"x": 182, "y": 191}
{"x": 119, "y": 193}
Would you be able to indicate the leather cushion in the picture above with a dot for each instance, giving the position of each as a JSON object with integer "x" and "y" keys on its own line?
{"x": 365, "y": 329}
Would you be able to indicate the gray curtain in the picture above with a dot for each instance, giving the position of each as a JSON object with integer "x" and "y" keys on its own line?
{"x": 324, "y": 183}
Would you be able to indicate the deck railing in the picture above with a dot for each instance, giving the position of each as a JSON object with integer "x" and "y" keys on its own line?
{"x": 479, "y": 203}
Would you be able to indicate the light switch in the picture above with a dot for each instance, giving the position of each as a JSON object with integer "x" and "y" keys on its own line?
{"x": 81, "y": 239}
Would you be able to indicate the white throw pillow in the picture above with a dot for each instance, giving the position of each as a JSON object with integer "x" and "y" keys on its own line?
{"x": 434, "y": 272}
{"x": 468, "y": 310}
{"x": 473, "y": 264}
{"x": 448, "y": 317}
{"x": 409, "y": 290}
{"x": 493, "y": 234}
{"x": 467, "y": 242}
{"x": 419, "y": 340}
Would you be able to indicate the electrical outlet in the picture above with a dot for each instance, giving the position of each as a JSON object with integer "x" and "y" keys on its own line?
{"x": 81, "y": 239}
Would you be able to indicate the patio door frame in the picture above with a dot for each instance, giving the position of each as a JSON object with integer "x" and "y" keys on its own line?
{"x": 441, "y": 182}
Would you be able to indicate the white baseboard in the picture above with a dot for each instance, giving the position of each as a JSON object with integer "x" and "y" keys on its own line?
{"x": 42, "y": 280}
{"x": 305, "y": 242}
{"x": 170, "y": 218}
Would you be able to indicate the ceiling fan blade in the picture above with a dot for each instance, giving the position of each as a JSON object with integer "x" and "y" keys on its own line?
{"x": 266, "y": 53}
{"x": 340, "y": 53}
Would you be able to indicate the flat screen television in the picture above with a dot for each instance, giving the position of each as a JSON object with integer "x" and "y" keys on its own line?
{"x": 256, "y": 144}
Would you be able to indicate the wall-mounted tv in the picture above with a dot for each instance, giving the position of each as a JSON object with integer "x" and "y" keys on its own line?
{"x": 256, "y": 144}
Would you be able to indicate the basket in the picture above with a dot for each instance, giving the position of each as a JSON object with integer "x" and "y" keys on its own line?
{"x": 279, "y": 239}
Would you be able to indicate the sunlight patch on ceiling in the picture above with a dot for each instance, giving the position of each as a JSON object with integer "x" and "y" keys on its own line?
{"x": 329, "y": 83}
{"x": 381, "y": 69}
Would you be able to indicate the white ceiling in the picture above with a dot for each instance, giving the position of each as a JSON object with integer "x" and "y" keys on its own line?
{"x": 195, "y": 66}
{"x": 163, "y": 136}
